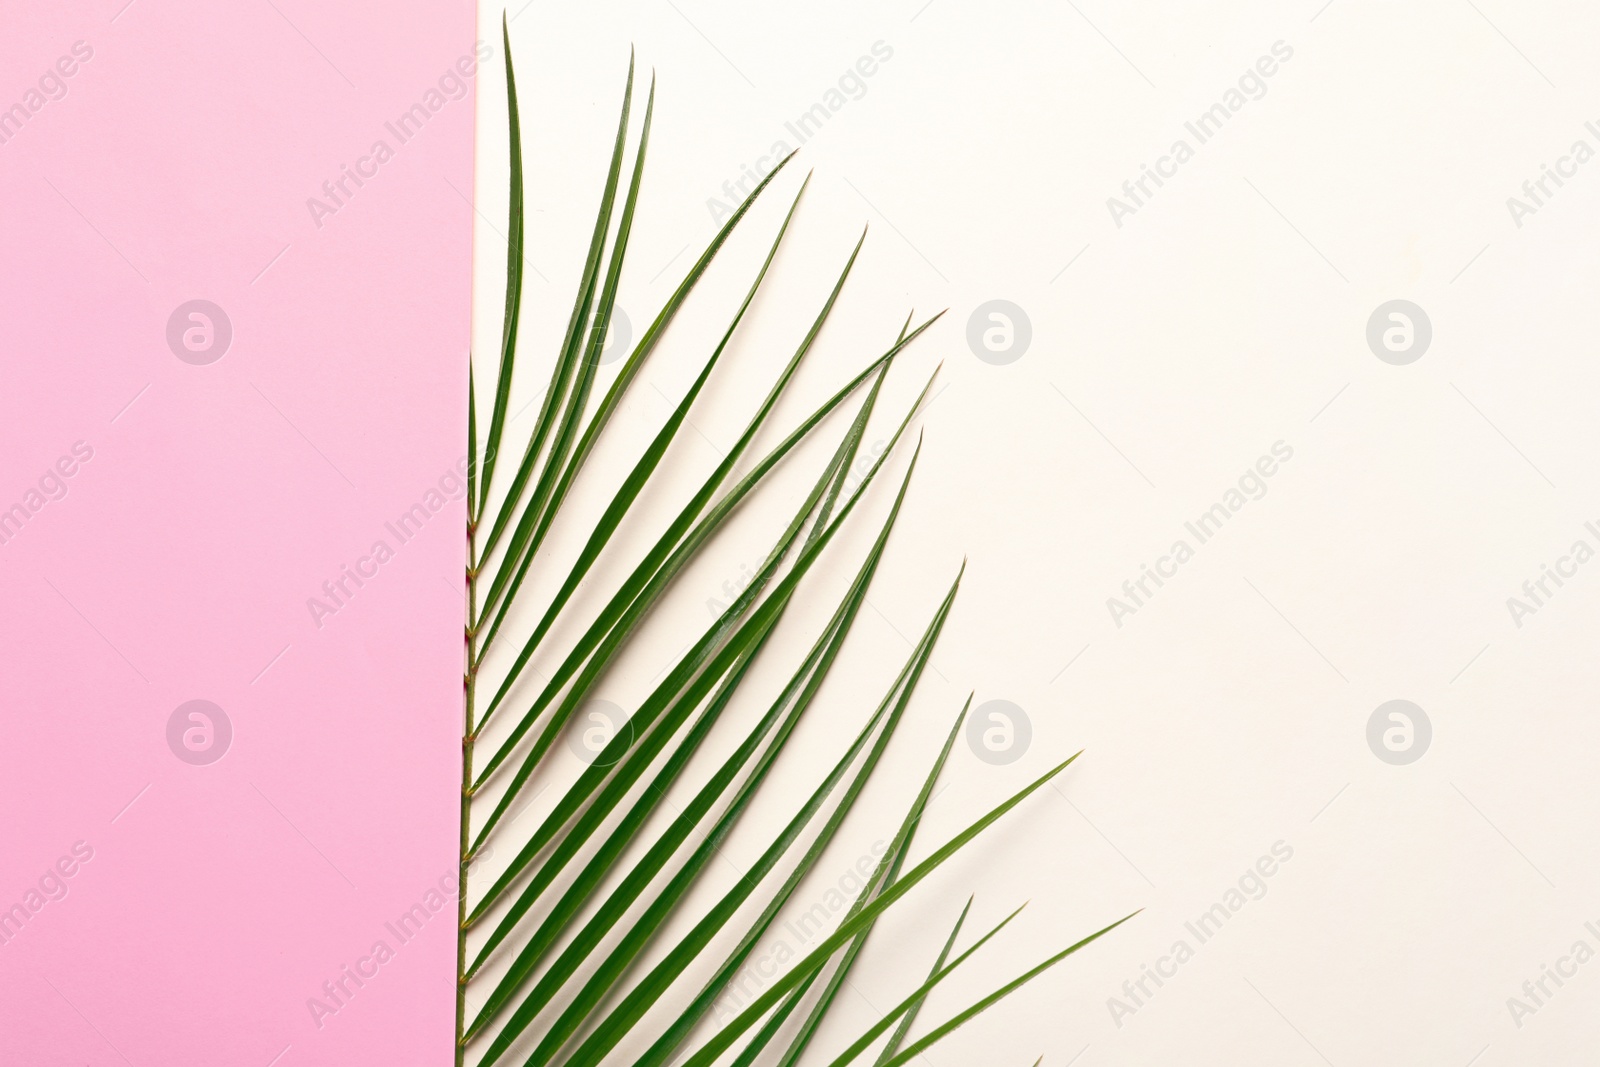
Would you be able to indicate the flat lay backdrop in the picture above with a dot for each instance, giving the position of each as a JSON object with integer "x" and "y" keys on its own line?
{"x": 1263, "y": 423}
{"x": 1179, "y": 343}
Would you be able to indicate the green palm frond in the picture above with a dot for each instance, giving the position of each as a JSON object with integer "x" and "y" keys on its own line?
{"x": 586, "y": 938}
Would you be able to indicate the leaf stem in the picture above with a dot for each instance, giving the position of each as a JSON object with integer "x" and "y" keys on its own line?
{"x": 467, "y": 741}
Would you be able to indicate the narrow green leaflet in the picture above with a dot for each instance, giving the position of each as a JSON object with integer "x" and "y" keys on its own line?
{"x": 916, "y": 1048}
{"x": 514, "y": 252}
{"x": 876, "y": 1030}
{"x": 899, "y": 1036}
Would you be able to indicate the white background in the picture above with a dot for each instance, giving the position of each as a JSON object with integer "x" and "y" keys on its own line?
{"x": 1167, "y": 355}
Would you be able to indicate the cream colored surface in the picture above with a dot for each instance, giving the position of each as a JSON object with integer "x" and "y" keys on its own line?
{"x": 1225, "y": 718}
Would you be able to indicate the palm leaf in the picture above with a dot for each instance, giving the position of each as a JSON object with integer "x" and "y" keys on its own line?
{"x": 561, "y": 931}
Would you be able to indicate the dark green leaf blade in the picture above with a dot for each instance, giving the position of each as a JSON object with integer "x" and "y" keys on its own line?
{"x": 514, "y": 253}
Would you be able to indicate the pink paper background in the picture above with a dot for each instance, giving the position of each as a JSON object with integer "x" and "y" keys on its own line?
{"x": 218, "y": 499}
